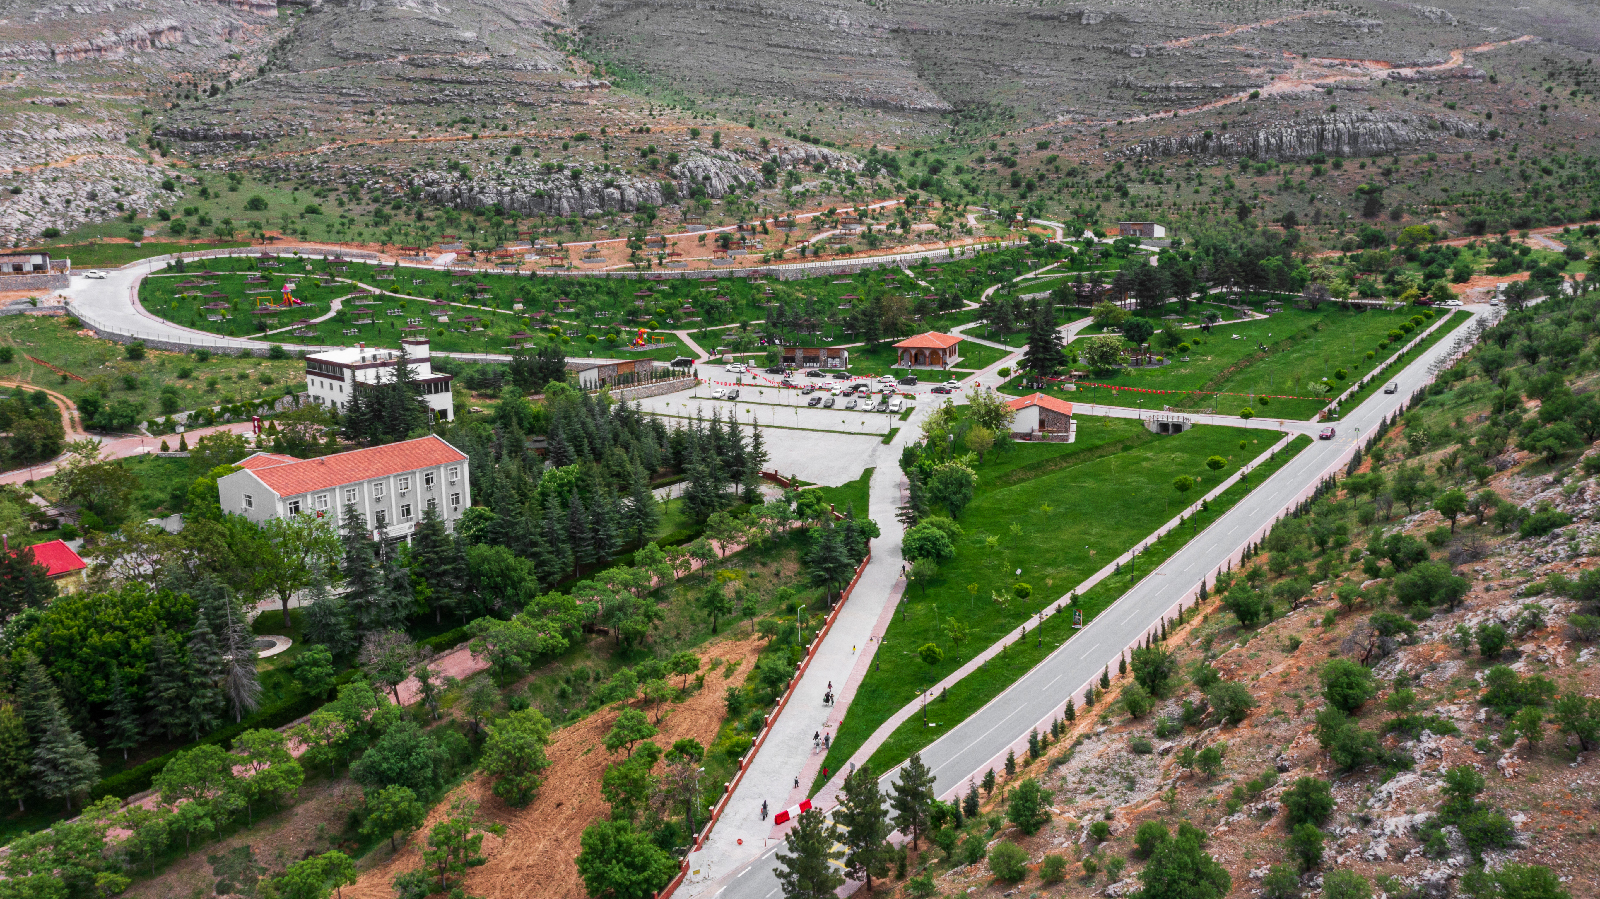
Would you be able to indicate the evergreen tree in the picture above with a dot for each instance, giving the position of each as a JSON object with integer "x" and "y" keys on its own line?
{"x": 557, "y": 560}
{"x": 916, "y": 505}
{"x": 969, "y": 804}
{"x": 603, "y": 518}
{"x": 1044, "y": 356}
{"x": 167, "y": 694}
{"x": 122, "y": 728}
{"x": 397, "y": 598}
{"x": 39, "y": 695}
{"x": 362, "y": 578}
{"x": 24, "y": 583}
{"x": 240, "y": 683}
{"x": 62, "y": 765}
{"x": 328, "y": 621}
{"x": 579, "y": 536}
{"x": 866, "y": 827}
{"x": 913, "y": 798}
{"x": 756, "y": 459}
{"x": 16, "y": 758}
{"x": 437, "y": 560}
{"x": 806, "y": 871}
{"x": 641, "y": 515}
{"x": 207, "y": 668}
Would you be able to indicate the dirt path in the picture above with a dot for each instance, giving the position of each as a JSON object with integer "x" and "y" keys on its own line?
{"x": 69, "y": 418}
{"x": 535, "y": 857}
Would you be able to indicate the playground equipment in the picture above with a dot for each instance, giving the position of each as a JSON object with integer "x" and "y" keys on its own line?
{"x": 286, "y": 301}
{"x": 642, "y": 339}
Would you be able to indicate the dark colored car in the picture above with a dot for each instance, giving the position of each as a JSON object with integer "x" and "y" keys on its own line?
{"x": 842, "y": 375}
{"x": 775, "y": 370}
{"x": 942, "y": 389}
{"x": 814, "y": 401}
{"x": 909, "y": 380}
{"x": 816, "y": 373}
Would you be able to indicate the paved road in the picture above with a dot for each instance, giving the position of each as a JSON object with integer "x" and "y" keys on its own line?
{"x": 981, "y": 742}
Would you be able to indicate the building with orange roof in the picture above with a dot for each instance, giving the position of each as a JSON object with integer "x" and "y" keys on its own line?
{"x": 1040, "y": 417}
{"x": 930, "y": 350}
{"x": 390, "y": 486}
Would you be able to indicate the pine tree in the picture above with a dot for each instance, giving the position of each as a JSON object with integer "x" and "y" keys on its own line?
{"x": 1011, "y": 762}
{"x": 16, "y": 758}
{"x": 1071, "y": 714}
{"x": 603, "y": 515}
{"x": 167, "y": 693}
{"x": 1105, "y": 678}
{"x": 397, "y": 598}
{"x": 62, "y": 765}
{"x": 1044, "y": 356}
{"x": 39, "y": 695}
{"x": 579, "y": 537}
{"x": 916, "y": 505}
{"x": 240, "y": 682}
{"x": 363, "y": 580}
{"x": 969, "y": 805}
{"x": 913, "y": 798}
{"x": 24, "y": 583}
{"x": 436, "y": 558}
{"x": 806, "y": 871}
{"x": 328, "y": 620}
{"x": 1122, "y": 664}
{"x": 866, "y": 826}
{"x": 755, "y": 461}
{"x": 123, "y": 728}
{"x": 642, "y": 514}
{"x": 207, "y": 668}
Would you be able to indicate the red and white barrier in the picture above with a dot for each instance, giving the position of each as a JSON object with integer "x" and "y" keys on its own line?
{"x": 791, "y": 812}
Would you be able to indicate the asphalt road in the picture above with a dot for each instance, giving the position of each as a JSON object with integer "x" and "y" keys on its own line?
{"x": 981, "y": 742}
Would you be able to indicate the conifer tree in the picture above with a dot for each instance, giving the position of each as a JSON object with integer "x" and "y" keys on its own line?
{"x": 437, "y": 560}
{"x": 207, "y": 668}
{"x": 16, "y": 758}
{"x": 913, "y": 798}
{"x": 969, "y": 804}
{"x": 362, "y": 578}
{"x": 62, "y": 765}
{"x": 916, "y": 505}
{"x": 122, "y": 727}
{"x": 38, "y": 696}
{"x": 240, "y": 683}
{"x": 1105, "y": 678}
{"x": 865, "y": 821}
{"x": 1071, "y": 714}
{"x": 641, "y": 514}
{"x": 167, "y": 694}
{"x": 806, "y": 871}
{"x": 328, "y": 620}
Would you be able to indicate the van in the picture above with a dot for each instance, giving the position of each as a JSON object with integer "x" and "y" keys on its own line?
{"x": 896, "y": 404}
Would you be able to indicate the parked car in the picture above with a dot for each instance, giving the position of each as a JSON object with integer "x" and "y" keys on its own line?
{"x": 816, "y": 373}
{"x": 850, "y": 403}
{"x": 787, "y": 382}
{"x": 718, "y": 393}
{"x": 896, "y": 404}
{"x": 942, "y": 389}
{"x": 1327, "y": 434}
{"x": 733, "y": 393}
{"x": 886, "y": 379}
{"x": 95, "y": 274}
{"x": 808, "y": 389}
{"x": 775, "y": 370}
{"x": 1394, "y": 387}
{"x": 737, "y": 368}
{"x": 883, "y": 405}
{"x": 909, "y": 380}
{"x": 814, "y": 401}
{"x": 842, "y": 375}
{"x": 827, "y": 403}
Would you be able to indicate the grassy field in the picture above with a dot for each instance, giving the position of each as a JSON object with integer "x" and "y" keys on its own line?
{"x": 105, "y": 368}
{"x": 1456, "y": 320}
{"x": 975, "y": 690}
{"x": 605, "y": 314}
{"x": 1045, "y": 506}
{"x": 1301, "y": 348}
{"x": 112, "y": 255}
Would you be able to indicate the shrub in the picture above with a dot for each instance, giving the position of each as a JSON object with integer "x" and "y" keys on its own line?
{"x": 1231, "y": 700}
{"x": 1053, "y": 869}
{"x": 1137, "y": 701}
{"x": 1308, "y": 801}
{"x": 1029, "y": 807}
{"x": 1305, "y": 846}
{"x": 1347, "y": 685}
{"x": 1100, "y": 831}
{"x": 1345, "y": 885}
{"x": 1492, "y": 640}
{"x": 1149, "y": 835}
{"x": 1139, "y": 744}
{"x": 1008, "y": 861}
{"x": 1281, "y": 883}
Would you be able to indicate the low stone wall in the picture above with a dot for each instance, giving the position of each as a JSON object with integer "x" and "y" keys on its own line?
{"x": 25, "y": 309}
{"x": 656, "y": 388}
{"x": 39, "y": 281}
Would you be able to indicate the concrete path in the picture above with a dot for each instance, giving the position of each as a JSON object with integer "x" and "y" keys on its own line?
{"x": 981, "y": 742}
{"x": 333, "y": 309}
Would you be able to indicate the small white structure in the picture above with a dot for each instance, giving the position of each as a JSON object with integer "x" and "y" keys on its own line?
{"x": 389, "y": 485}
{"x": 1146, "y": 230}
{"x": 1041, "y": 417}
{"x": 332, "y": 377}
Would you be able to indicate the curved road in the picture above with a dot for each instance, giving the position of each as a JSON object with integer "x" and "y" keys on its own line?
{"x": 981, "y": 742}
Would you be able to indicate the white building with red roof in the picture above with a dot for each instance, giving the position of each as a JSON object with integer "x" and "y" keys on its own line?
{"x": 930, "y": 350}
{"x": 389, "y": 485}
{"x": 1040, "y": 417}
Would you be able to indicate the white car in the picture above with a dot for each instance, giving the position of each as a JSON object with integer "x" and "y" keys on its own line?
{"x": 887, "y": 379}
{"x": 736, "y": 368}
{"x": 95, "y": 274}
{"x": 718, "y": 393}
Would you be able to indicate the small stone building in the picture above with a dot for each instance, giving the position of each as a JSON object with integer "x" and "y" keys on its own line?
{"x": 1040, "y": 417}
{"x": 816, "y": 357}
{"x": 930, "y": 350}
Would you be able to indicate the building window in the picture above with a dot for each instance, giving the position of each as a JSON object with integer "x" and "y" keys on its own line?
{"x": 433, "y": 504}
{"x": 383, "y": 518}
{"x": 349, "y": 495}
{"x": 427, "y": 479}
{"x": 322, "y": 501}
{"x": 455, "y": 473}
{"x": 249, "y": 501}
{"x": 377, "y": 489}
{"x": 405, "y": 512}
{"x": 455, "y": 502}
{"x": 405, "y": 482}
{"x": 294, "y": 507}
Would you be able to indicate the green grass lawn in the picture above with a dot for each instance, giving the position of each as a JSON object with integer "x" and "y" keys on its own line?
{"x": 113, "y": 255}
{"x": 1456, "y": 320}
{"x": 1047, "y": 507}
{"x": 105, "y": 368}
{"x": 1302, "y": 348}
{"x": 978, "y": 356}
{"x": 975, "y": 690}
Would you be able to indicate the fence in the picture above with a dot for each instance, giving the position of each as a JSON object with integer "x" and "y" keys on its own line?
{"x": 744, "y": 762}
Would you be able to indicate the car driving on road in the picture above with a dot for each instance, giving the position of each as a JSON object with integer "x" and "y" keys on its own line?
{"x": 1326, "y": 434}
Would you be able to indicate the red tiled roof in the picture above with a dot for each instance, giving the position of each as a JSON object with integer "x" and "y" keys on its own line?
{"x": 58, "y": 558}
{"x": 932, "y": 340}
{"x": 305, "y": 475}
{"x": 256, "y": 461}
{"x": 1039, "y": 399}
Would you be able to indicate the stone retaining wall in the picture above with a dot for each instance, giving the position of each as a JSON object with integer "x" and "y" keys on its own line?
{"x": 40, "y": 281}
{"x": 656, "y": 388}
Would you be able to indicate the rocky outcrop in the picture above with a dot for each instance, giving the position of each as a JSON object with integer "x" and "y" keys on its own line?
{"x": 1361, "y": 134}
{"x": 211, "y": 134}
{"x": 114, "y": 45}
{"x": 717, "y": 171}
{"x": 558, "y": 193}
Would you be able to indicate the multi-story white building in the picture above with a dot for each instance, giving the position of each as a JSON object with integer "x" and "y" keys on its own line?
{"x": 389, "y": 485}
{"x": 332, "y": 377}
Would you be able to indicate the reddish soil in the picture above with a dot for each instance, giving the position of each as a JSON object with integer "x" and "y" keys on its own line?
{"x": 535, "y": 857}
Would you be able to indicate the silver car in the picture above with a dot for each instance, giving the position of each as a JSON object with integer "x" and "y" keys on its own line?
{"x": 850, "y": 403}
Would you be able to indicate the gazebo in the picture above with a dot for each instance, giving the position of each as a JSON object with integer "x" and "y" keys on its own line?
{"x": 929, "y": 350}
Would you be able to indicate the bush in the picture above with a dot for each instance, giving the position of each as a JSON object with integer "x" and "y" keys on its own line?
{"x": 1543, "y": 522}
{"x": 1137, "y": 701}
{"x": 1029, "y": 807}
{"x": 1053, "y": 869}
{"x": 1492, "y": 640}
{"x": 1100, "y": 831}
{"x": 1347, "y": 685}
{"x": 1149, "y": 835}
{"x": 1139, "y": 744}
{"x": 1308, "y": 801}
{"x": 1305, "y": 846}
{"x": 1231, "y": 700}
{"x": 1008, "y": 861}
{"x": 1281, "y": 883}
{"x": 1345, "y": 885}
